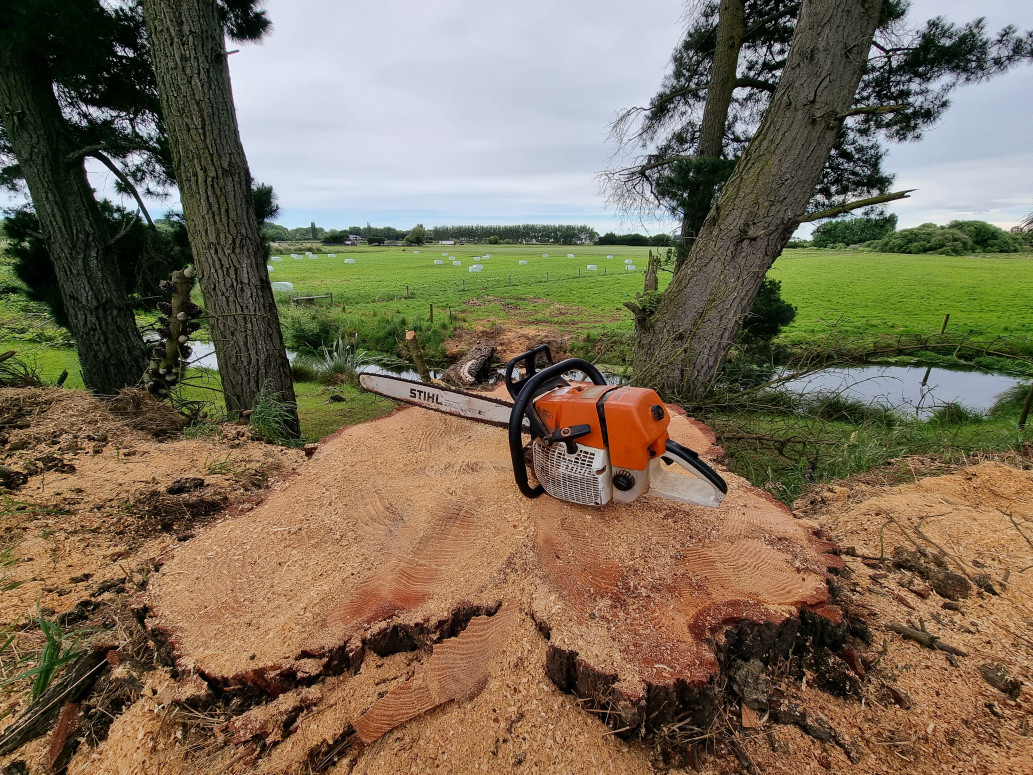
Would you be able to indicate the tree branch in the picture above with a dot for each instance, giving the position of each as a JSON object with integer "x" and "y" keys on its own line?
{"x": 754, "y": 83}
{"x": 764, "y": 21}
{"x": 103, "y": 159}
{"x": 832, "y": 212}
{"x": 871, "y": 110}
{"x": 82, "y": 153}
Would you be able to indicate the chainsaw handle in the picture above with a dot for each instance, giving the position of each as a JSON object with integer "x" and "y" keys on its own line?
{"x": 523, "y": 406}
{"x": 528, "y": 360}
{"x": 689, "y": 460}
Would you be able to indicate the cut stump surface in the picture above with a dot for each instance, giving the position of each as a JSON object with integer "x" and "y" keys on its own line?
{"x": 401, "y": 530}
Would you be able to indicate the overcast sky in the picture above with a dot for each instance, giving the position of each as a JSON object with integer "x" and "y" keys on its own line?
{"x": 460, "y": 111}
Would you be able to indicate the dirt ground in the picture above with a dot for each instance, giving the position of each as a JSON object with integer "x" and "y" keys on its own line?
{"x": 97, "y": 504}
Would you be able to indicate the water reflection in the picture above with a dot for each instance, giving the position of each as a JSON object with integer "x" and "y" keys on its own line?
{"x": 907, "y": 388}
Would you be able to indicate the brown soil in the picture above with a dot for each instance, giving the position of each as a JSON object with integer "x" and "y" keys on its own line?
{"x": 524, "y": 327}
{"x": 510, "y": 340}
{"x": 398, "y": 575}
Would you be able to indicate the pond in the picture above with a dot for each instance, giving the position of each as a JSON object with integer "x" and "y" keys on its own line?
{"x": 909, "y": 389}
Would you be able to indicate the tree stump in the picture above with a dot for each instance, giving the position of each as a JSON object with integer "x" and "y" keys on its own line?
{"x": 404, "y": 529}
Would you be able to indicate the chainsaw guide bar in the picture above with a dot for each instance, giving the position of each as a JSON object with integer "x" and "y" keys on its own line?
{"x": 457, "y": 403}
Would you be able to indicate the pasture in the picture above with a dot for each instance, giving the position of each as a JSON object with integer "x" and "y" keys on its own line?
{"x": 845, "y": 293}
{"x": 514, "y": 274}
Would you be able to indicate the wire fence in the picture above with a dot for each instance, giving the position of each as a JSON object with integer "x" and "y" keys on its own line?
{"x": 480, "y": 285}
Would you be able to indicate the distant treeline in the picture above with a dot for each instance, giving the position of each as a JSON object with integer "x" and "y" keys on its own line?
{"x": 563, "y": 234}
{"x": 640, "y": 240}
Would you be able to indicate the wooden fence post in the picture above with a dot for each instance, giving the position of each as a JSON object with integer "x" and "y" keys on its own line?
{"x": 1025, "y": 408}
{"x": 432, "y": 312}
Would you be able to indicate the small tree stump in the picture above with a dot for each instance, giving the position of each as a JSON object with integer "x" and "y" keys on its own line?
{"x": 417, "y": 356}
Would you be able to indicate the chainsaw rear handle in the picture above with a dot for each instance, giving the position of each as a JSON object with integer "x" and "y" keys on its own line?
{"x": 690, "y": 461}
{"x": 528, "y": 389}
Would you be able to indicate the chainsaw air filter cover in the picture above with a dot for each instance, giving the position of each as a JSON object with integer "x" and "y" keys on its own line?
{"x": 579, "y": 477}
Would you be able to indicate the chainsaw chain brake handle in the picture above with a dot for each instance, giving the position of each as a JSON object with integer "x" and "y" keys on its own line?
{"x": 525, "y": 391}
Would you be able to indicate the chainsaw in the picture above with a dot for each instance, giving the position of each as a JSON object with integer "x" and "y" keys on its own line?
{"x": 590, "y": 444}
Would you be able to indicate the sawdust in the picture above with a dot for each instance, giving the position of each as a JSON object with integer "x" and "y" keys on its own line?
{"x": 105, "y": 505}
{"x": 97, "y": 501}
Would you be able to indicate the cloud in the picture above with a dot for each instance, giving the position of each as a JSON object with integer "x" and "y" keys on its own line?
{"x": 460, "y": 111}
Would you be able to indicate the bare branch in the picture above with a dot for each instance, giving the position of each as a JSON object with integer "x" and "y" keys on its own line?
{"x": 127, "y": 223}
{"x": 82, "y": 153}
{"x": 872, "y": 110}
{"x": 103, "y": 159}
{"x": 832, "y": 212}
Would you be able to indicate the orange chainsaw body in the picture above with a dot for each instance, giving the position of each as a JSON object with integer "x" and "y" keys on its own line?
{"x": 629, "y": 421}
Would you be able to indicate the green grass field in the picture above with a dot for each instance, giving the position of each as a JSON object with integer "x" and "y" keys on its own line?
{"x": 866, "y": 294}
{"x": 381, "y": 278}
{"x": 843, "y": 292}
{"x": 855, "y": 296}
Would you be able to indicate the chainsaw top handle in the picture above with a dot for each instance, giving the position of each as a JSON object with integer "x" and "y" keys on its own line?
{"x": 529, "y": 361}
{"x": 525, "y": 391}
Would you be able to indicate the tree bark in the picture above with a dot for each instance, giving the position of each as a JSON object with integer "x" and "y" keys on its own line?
{"x": 731, "y": 28}
{"x": 681, "y": 346}
{"x": 193, "y": 77}
{"x": 111, "y": 351}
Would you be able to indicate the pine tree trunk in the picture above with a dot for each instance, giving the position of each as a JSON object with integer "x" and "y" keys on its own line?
{"x": 111, "y": 351}
{"x": 682, "y": 345}
{"x": 193, "y": 77}
{"x": 731, "y": 28}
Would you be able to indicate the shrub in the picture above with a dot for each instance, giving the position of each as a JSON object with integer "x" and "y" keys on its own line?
{"x": 928, "y": 238}
{"x": 308, "y": 331}
{"x": 954, "y": 414}
{"x": 834, "y": 407}
{"x": 987, "y": 238}
{"x": 769, "y": 315}
{"x": 270, "y": 418}
{"x": 1010, "y": 402}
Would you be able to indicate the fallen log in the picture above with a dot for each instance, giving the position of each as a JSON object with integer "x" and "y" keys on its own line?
{"x": 465, "y": 372}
